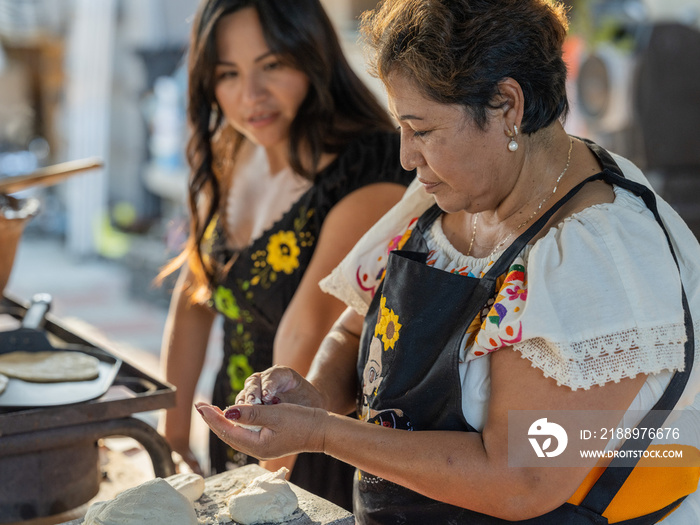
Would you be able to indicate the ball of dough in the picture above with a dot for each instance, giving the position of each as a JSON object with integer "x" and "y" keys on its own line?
{"x": 267, "y": 499}
{"x": 154, "y": 502}
{"x": 190, "y": 485}
{"x": 254, "y": 428}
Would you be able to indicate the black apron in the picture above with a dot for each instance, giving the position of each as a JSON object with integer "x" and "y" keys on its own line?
{"x": 420, "y": 389}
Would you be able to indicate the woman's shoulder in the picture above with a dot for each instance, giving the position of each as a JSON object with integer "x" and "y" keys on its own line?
{"x": 595, "y": 300}
{"x": 368, "y": 158}
{"x": 607, "y": 241}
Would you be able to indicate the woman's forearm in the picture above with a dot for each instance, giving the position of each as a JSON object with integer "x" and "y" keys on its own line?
{"x": 333, "y": 371}
{"x": 448, "y": 466}
{"x": 185, "y": 341}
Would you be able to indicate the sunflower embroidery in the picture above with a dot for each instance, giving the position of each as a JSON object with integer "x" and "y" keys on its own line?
{"x": 382, "y": 318}
{"x": 283, "y": 252}
{"x": 391, "y": 331}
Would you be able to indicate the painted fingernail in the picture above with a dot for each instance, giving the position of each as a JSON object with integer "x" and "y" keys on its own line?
{"x": 232, "y": 413}
{"x": 199, "y": 410}
{"x": 275, "y": 400}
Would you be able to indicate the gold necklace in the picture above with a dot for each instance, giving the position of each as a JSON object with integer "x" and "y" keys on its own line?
{"x": 556, "y": 185}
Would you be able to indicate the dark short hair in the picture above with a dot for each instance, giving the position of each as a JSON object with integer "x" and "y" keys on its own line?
{"x": 457, "y": 52}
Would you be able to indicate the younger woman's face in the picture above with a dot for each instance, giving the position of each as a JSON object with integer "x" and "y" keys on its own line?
{"x": 258, "y": 93}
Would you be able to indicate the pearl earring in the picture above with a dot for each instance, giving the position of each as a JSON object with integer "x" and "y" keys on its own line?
{"x": 513, "y": 145}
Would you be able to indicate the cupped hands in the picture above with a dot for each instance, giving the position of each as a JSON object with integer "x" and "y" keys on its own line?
{"x": 286, "y": 428}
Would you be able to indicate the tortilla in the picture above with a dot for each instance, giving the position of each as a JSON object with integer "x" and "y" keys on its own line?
{"x": 49, "y": 367}
{"x": 3, "y": 383}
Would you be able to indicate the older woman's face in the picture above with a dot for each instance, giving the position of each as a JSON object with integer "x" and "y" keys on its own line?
{"x": 464, "y": 167}
{"x": 258, "y": 93}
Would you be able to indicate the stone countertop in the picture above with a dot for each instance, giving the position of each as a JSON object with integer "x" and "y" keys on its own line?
{"x": 312, "y": 510}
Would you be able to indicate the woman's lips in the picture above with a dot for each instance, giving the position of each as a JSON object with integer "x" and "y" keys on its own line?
{"x": 262, "y": 119}
{"x": 427, "y": 185}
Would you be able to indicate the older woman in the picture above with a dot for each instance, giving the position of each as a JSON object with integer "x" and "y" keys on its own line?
{"x": 543, "y": 281}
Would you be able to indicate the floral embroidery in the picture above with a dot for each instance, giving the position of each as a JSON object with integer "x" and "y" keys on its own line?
{"x": 226, "y": 303}
{"x": 283, "y": 252}
{"x": 516, "y": 293}
{"x": 387, "y": 326}
{"x": 398, "y": 242}
{"x": 362, "y": 276}
{"x": 238, "y": 371}
{"x": 278, "y": 255}
{"x": 501, "y": 327}
{"x": 391, "y": 332}
{"x": 382, "y": 318}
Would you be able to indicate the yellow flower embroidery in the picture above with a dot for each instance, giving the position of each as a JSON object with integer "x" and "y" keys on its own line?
{"x": 391, "y": 331}
{"x": 283, "y": 252}
{"x": 382, "y": 318}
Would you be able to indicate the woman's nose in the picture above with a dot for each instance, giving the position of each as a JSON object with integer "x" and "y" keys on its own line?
{"x": 253, "y": 89}
{"x": 410, "y": 157}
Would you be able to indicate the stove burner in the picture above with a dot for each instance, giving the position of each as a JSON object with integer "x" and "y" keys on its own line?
{"x": 48, "y": 455}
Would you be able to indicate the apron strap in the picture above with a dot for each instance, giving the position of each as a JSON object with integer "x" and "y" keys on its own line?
{"x": 607, "y": 486}
{"x": 506, "y": 259}
{"x": 602, "y": 493}
{"x": 422, "y": 227}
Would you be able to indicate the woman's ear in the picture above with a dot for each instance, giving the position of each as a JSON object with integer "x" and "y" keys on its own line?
{"x": 512, "y": 104}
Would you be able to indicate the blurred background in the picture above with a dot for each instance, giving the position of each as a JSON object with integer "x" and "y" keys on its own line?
{"x": 106, "y": 78}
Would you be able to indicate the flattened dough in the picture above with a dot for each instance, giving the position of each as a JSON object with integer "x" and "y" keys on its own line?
{"x": 154, "y": 503}
{"x": 189, "y": 485}
{"x": 267, "y": 499}
{"x": 3, "y": 383}
{"x": 49, "y": 367}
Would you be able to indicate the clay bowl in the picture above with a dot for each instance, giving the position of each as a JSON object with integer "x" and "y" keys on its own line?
{"x": 14, "y": 214}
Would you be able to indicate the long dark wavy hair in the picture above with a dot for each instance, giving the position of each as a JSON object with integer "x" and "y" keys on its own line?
{"x": 338, "y": 107}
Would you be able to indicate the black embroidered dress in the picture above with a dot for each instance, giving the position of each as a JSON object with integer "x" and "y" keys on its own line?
{"x": 260, "y": 284}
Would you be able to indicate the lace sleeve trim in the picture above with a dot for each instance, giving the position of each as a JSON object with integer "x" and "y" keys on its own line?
{"x": 608, "y": 358}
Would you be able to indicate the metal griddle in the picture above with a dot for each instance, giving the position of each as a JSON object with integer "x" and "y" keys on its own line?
{"x": 29, "y": 337}
{"x": 62, "y": 438}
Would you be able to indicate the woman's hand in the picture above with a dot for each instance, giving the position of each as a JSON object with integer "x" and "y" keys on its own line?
{"x": 279, "y": 384}
{"x": 286, "y": 428}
